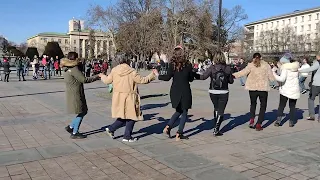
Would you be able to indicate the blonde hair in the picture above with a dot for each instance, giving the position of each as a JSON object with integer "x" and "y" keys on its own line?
{"x": 219, "y": 58}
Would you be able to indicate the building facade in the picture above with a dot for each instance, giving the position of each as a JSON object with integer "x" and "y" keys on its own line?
{"x": 297, "y": 32}
{"x": 78, "y": 40}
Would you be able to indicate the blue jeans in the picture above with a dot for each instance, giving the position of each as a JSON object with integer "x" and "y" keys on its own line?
{"x": 176, "y": 115}
{"x": 121, "y": 122}
{"x": 301, "y": 83}
{"x": 45, "y": 72}
{"x": 243, "y": 80}
{"x": 76, "y": 122}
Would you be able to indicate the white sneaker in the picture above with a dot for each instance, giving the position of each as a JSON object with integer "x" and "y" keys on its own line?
{"x": 110, "y": 133}
{"x": 130, "y": 140}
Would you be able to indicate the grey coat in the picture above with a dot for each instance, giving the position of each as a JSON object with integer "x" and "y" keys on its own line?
{"x": 74, "y": 79}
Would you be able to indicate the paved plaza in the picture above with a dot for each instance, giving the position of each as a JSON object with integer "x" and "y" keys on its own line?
{"x": 34, "y": 144}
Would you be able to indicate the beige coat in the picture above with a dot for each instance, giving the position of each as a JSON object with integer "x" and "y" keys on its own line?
{"x": 258, "y": 77}
{"x": 125, "y": 98}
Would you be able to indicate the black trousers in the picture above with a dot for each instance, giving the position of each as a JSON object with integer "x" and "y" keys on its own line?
{"x": 21, "y": 73}
{"x": 6, "y": 76}
{"x": 292, "y": 106}
{"x": 263, "y": 98}
{"x": 219, "y": 102}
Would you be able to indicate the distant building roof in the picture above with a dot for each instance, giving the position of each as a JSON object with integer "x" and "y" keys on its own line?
{"x": 54, "y": 34}
{"x": 295, "y": 13}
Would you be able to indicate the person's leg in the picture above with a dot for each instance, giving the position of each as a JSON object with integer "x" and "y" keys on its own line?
{"x": 292, "y": 106}
{"x": 22, "y": 75}
{"x": 128, "y": 130}
{"x": 253, "y": 104}
{"x": 263, "y": 97}
{"x": 215, "y": 101}
{"x": 117, "y": 124}
{"x": 75, "y": 124}
{"x": 175, "y": 116}
{"x": 313, "y": 94}
{"x": 282, "y": 104}
{"x": 44, "y": 72}
{"x": 301, "y": 84}
{"x": 223, "y": 100}
{"x": 6, "y": 77}
{"x": 183, "y": 119}
{"x": 19, "y": 74}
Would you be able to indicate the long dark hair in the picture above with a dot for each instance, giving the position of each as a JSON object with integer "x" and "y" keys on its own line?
{"x": 179, "y": 59}
{"x": 257, "y": 59}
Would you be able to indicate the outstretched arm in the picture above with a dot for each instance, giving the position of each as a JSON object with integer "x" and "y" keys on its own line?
{"x": 107, "y": 79}
{"x": 242, "y": 73}
{"x": 143, "y": 80}
{"x": 169, "y": 74}
{"x": 282, "y": 77}
{"x": 81, "y": 78}
{"x": 315, "y": 66}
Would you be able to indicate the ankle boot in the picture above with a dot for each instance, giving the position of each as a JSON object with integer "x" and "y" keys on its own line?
{"x": 180, "y": 136}
{"x": 216, "y": 130}
{"x": 278, "y": 121}
{"x": 259, "y": 127}
{"x": 251, "y": 123}
{"x": 291, "y": 124}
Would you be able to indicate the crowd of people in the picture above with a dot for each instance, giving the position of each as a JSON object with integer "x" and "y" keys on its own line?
{"x": 258, "y": 75}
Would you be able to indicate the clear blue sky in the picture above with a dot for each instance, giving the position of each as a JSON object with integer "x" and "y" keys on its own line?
{"x": 21, "y": 19}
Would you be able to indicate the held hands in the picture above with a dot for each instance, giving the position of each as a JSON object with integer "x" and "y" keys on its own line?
{"x": 155, "y": 71}
{"x": 274, "y": 69}
{"x": 100, "y": 75}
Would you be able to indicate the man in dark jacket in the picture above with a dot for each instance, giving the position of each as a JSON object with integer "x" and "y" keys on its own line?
{"x": 20, "y": 66}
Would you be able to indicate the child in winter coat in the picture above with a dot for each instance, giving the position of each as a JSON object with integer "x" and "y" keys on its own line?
{"x": 289, "y": 88}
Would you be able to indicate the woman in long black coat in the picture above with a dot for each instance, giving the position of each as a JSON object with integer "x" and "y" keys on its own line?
{"x": 180, "y": 69}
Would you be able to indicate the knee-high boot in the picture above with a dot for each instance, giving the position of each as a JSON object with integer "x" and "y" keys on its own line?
{"x": 216, "y": 130}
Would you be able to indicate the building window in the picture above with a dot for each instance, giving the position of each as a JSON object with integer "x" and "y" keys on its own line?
{"x": 66, "y": 41}
{"x": 74, "y": 41}
{"x": 289, "y": 21}
{"x": 75, "y": 49}
{"x": 308, "y": 36}
{"x": 309, "y": 27}
{"x": 295, "y": 29}
{"x": 66, "y": 49}
{"x": 302, "y": 28}
{"x": 282, "y": 22}
{"x": 302, "y": 19}
{"x": 295, "y": 19}
{"x": 309, "y": 17}
{"x": 59, "y": 41}
{"x": 277, "y": 23}
{"x": 317, "y": 26}
{"x": 261, "y": 26}
{"x": 317, "y": 16}
{"x": 45, "y": 40}
{"x": 52, "y": 39}
{"x": 317, "y": 34}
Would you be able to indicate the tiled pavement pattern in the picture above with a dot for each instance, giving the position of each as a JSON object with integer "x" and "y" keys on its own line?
{"x": 34, "y": 145}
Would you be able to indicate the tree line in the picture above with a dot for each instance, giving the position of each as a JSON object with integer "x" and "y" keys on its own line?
{"x": 141, "y": 28}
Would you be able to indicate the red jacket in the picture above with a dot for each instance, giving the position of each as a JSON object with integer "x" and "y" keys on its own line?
{"x": 56, "y": 65}
{"x": 104, "y": 66}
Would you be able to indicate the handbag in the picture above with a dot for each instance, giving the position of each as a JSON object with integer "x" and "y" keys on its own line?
{"x": 110, "y": 88}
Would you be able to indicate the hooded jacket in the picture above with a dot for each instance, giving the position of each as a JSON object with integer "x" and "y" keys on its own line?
{"x": 74, "y": 80}
{"x": 125, "y": 97}
{"x": 289, "y": 80}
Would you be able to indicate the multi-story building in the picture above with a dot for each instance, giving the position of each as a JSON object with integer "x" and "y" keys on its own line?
{"x": 297, "y": 32}
{"x": 78, "y": 39}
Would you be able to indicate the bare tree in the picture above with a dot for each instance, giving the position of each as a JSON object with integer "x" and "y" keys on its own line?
{"x": 92, "y": 43}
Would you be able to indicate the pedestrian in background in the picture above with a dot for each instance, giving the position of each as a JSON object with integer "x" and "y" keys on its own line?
{"x": 20, "y": 69}
{"x": 6, "y": 69}
{"x": 303, "y": 76}
{"x": 35, "y": 67}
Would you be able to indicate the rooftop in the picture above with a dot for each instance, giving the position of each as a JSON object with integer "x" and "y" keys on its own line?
{"x": 49, "y": 34}
{"x": 295, "y": 13}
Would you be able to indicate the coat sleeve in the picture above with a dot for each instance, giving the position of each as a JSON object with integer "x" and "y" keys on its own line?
{"x": 143, "y": 80}
{"x": 169, "y": 74}
{"x": 243, "y": 72}
{"x": 81, "y": 78}
{"x": 107, "y": 79}
{"x": 282, "y": 77}
{"x": 191, "y": 74}
{"x": 314, "y": 67}
{"x": 271, "y": 77}
{"x": 207, "y": 73}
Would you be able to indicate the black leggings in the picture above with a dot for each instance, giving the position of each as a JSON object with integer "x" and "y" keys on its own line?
{"x": 292, "y": 106}
{"x": 263, "y": 97}
{"x": 6, "y": 76}
{"x": 219, "y": 102}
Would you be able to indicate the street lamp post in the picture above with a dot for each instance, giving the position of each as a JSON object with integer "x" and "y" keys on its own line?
{"x": 219, "y": 23}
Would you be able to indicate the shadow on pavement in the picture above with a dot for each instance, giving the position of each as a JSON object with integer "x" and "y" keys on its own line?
{"x": 152, "y": 96}
{"x": 152, "y": 106}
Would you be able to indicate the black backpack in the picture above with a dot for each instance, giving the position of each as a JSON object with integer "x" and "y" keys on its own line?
{"x": 220, "y": 80}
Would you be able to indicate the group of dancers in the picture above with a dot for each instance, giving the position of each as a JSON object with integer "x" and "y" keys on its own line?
{"x": 126, "y": 99}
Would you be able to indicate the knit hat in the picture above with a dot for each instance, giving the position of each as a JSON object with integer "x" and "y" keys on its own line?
{"x": 286, "y": 58}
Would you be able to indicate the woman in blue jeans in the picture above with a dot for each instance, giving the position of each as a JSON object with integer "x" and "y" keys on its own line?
{"x": 180, "y": 69}
{"x": 76, "y": 100}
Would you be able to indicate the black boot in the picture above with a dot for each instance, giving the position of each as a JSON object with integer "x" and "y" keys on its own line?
{"x": 68, "y": 129}
{"x": 278, "y": 121}
{"x": 78, "y": 136}
{"x": 291, "y": 124}
{"x": 216, "y": 130}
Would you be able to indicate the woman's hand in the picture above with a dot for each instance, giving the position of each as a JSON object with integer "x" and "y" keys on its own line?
{"x": 101, "y": 74}
{"x": 155, "y": 71}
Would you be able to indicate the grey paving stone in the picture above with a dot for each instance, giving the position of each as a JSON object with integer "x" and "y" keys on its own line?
{"x": 101, "y": 143}
{"x": 19, "y": 156}
{"x": 59, "y": 150}
{"x": 185, "y": 161}
{"x": 294, "y": 158}
{"x": 160, "y": 149}
{"x": 217, "y": 173}
{"x": 284, "y": 141}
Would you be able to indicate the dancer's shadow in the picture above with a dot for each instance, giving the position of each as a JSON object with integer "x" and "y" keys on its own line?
{"x": 152, "y": 106}
{"x": 236, "y": 121}
{"x": 299, "y": 116}
{"x": 206, "y": 125}
{"x": 152, "y": 96}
